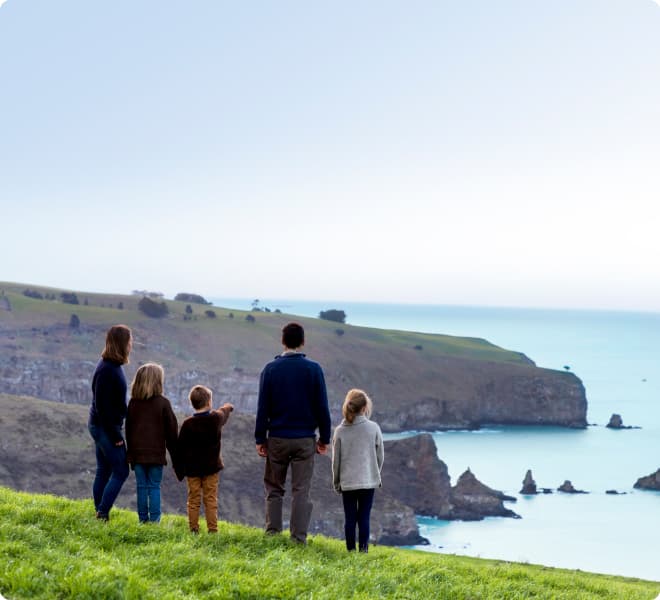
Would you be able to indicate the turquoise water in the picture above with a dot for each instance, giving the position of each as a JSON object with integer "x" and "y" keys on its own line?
{"x": 617, "y": 356}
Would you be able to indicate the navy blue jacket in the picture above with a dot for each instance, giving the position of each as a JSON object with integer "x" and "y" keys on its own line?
{"x": 293, "y": 400}
{"x": 108, "y": 408}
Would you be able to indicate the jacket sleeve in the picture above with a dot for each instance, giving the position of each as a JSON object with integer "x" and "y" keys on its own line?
{"x": 261, "y": 424}
{"x": 380, "y": 449}
{"x": 224, "y": 416}
{"x": 178, "y": 461}
{"x": 323, "y": 410}
{"x": 171, "y": 429}
{"x": 336, "y": 462}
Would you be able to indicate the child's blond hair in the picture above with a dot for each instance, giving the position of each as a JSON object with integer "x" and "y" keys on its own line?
{"x": 200, "y": 396}
{"x": 355, "y": 401}
{"x": 148, "y": 381}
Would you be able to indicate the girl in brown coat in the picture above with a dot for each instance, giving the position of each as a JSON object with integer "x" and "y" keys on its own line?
{"x": 151, "y": 427}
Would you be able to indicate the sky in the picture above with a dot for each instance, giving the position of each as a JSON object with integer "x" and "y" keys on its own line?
{"x": 476, "y": 152}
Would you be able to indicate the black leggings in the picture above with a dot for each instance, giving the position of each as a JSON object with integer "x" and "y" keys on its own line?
{"x": 357, "y": 509}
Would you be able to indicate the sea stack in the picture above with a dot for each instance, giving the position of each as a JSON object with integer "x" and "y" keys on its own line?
{"x": 472, "y": 500}
{"x": 567, "y": 488}
{"x": 529, "y": 485}
{"x": 616, "y": 422}
{"x": 650, "y": 482}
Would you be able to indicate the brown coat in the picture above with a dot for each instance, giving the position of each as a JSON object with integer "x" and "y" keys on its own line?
{"x": 199, "y": 444}
{"x": 151, "y": 427}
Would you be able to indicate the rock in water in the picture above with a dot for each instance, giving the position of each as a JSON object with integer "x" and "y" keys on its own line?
{"x": 529, "y": 485}
{"x": 616, "y": 422}
{"x": 472, "y": 500}
{"x": 650, "y": 482}
{"x": 567, "y": 488}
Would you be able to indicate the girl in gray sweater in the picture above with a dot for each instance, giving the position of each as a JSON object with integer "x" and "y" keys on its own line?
{"x": 357, "y": 459}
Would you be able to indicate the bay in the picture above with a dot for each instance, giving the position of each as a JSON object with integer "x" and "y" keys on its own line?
{"x": 617, "y": 356}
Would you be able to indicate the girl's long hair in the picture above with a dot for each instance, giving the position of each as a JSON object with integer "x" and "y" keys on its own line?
{"x": 148, "y": 382}
{"x": 354, "y": 402}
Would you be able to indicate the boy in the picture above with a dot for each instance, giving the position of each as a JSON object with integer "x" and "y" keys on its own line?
{"x": 199, "y": 458}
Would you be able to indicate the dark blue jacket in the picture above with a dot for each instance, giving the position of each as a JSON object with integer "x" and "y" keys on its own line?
{"x": 293, "y": 400}
{"x": 108, "y": 408}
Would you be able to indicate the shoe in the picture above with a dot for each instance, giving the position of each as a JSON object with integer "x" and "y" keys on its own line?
{"x": 102, "y": 517}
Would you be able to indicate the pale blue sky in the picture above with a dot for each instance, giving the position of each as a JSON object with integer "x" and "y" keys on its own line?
{"x": 472, "y": 152}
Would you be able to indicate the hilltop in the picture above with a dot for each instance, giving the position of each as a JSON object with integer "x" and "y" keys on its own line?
{"x": 418, "y": 381}
{"x": 51, "y": 547}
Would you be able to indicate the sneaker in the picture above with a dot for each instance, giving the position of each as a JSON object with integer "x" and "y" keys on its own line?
{"x": 102, "y": 517}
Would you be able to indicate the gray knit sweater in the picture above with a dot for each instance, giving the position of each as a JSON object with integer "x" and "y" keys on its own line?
{"x": 357, "y": 455}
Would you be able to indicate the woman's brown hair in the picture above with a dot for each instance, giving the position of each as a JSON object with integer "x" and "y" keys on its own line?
{"x": 117, "y": 344}
{"x": 148, "y": 382}
{"x": 355, "y": 401}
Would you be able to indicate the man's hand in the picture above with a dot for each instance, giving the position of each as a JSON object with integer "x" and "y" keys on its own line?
{"x": 119, "y": 443}
{"x": 321, "y": 448}
{"x": 262, "y": 450}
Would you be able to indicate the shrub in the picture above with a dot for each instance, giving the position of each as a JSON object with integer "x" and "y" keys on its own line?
{"x": 151, "y": 308}
{"x": 339, "y": 332}
{"x": 120, "y": 305}
{"x": 250, "y": 318}
{"x": 74, "y": 322}
{"x": 230, "y": 315}
{"x": 194, "y": 298}
{"x": 188, "y": 309}
{"x": 33, "y": 294}
{"x": 210, "y": 314}
{"x": 338, "y": 316}
{"x": 419, "y": 347}
{"x": 69, "y": 298}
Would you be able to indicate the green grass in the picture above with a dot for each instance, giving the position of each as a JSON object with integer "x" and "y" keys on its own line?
{"x": 51, "y": 547}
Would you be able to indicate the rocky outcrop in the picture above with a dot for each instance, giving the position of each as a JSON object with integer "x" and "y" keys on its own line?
{"x": 650, "y": 482}
{"x": 616, "y": 422}
{"x": 567, "y": 488}
{"x": 615, "y": 493}
{"x": 528, "y": 484}
{"x": 472, "y": 500}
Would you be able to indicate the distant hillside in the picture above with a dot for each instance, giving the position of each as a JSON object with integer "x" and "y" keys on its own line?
{"x": 55, "y": 548}
{"x": 418, "y": 381}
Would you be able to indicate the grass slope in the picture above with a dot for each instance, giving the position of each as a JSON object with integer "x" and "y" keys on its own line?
{"x": 54, "y": 548}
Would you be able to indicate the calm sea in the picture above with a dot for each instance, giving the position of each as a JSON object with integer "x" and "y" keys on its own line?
{"x": 617, "y": 356}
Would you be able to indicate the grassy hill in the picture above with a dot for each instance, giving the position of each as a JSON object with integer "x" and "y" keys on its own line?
{"x": 55, "y": 548}
{"x": 417, "y": 380}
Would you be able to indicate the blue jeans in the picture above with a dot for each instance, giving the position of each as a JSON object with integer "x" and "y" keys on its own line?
{"x": 111, "y": 470}
{"x": 148, "y": 478}
{"x": 357, "y": 511}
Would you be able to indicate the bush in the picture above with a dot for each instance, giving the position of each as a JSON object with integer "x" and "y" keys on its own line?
{"x": 210, "y": 314}
{"x": 338, "y": 316}
{"x": 120, "y": 305}
{"x": 419, "y": 347}
{"x": 154, "y": 309}
{"x": 74, "y": 322}
{"x": 194, "y": 298}
{"x": 250, "y": 318}
{"x": 339, "y": 332}
{"x": 230, "y": 315}
{"x": 188, "y": 309}
{"x": 69, "y": 298}
{"x": 33, "y": 294}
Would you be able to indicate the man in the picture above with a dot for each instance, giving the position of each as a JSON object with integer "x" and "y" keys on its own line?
{"x": 293, "y": 403}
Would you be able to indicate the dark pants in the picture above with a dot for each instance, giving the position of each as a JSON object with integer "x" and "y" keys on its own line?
{"x": 357, "y": 510}
{"x": 299, "y": 454}
{"x": 111, "y": 470}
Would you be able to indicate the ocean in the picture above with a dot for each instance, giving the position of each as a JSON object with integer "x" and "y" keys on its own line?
{"x": 617, "y": 356}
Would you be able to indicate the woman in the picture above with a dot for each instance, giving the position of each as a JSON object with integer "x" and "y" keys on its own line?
{"x": 106, "y": 418}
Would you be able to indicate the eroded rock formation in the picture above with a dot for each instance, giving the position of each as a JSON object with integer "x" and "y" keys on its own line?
{"x": 650, "y": 482}
{"x": 528, "y": 484}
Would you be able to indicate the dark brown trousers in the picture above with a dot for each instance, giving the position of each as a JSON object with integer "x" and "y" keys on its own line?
{"x": 299, "y": 454}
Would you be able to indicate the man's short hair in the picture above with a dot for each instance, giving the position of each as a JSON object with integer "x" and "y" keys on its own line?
{"x": 200, "y": 396}
{"x": 293, "y": 335}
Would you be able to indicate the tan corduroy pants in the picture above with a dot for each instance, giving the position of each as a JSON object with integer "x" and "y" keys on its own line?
{"x": 206, "y": 489}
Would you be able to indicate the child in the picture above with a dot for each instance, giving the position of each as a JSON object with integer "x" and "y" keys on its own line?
{"x": 150, "y": 428}
{"x": 357, "y": 459}
{"x": 199, "y": 458}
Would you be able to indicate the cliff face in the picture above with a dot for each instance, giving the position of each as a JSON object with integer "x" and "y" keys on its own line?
{"x": 417, "y": 381}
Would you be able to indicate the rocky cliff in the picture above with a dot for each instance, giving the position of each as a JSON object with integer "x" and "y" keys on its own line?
{"x": 417, "y": 381}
